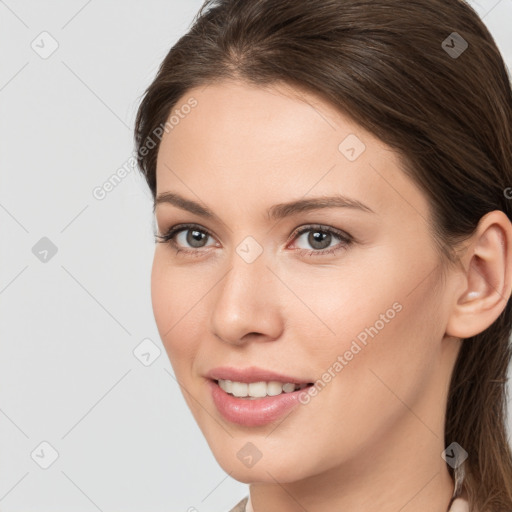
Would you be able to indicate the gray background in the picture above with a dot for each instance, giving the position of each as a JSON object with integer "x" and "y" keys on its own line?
{"x": 70, "y": 323}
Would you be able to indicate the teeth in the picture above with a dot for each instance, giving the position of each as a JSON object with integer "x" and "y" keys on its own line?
{"x": 239, "y": 389}
{"x": 258, "y": 389}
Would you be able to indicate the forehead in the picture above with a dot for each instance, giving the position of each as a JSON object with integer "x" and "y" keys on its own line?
{"x": 271, "y": 142}
{"x": 265, "y": 119}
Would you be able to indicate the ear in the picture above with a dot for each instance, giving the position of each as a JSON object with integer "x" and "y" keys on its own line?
{"x": 487, "y": 281}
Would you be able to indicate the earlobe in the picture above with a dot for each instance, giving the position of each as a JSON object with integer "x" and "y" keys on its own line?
{"x": 487, "y": 283}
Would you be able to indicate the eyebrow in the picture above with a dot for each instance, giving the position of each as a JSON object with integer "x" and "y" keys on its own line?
{"x": 276, "y": 212}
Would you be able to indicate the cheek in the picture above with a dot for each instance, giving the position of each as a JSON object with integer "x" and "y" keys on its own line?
{"x": 173, "y": 297}
{"x": 372, "y": 365}
{"x": 376, "y": 316}
{"x": 389, "y": 343}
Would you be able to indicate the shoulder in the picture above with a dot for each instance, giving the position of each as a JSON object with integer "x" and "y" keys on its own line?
{"x": 240, "y": 506}
{"x": 458, "y": 505}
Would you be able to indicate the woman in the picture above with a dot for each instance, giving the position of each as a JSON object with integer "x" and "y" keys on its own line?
{"x": 332, "y": 194}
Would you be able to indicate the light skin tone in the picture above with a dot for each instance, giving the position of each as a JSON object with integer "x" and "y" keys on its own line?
{"x": 372, "y": 437}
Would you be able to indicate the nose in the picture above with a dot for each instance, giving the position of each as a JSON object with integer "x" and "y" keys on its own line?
{"x": 247, "y": 303}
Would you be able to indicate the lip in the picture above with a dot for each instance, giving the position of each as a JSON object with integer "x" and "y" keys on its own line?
{"x": 253, "y": 413}
{"x": 252, "y": 374}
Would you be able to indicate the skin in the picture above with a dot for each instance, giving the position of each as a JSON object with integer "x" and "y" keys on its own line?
{"x": 372, "y": 437}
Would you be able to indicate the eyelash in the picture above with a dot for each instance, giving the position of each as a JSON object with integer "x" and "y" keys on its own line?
{"x": 345, "y": 238}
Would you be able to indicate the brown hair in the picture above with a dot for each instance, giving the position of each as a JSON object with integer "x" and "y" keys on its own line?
{"x": 390, "y": 66}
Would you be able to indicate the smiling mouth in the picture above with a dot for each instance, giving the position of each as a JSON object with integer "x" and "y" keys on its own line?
{"x": 262, "y": 389}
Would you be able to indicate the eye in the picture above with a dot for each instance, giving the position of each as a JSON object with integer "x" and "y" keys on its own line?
{"x": 195, "y": 237}
{"x": 320, "y": 238}
{"x": 190, "y": 234}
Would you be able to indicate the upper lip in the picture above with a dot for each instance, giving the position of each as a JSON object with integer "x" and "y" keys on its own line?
{"x": 252, "y": 374}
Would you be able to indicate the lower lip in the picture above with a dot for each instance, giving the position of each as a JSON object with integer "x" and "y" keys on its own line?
{"x": 253, "y": 413}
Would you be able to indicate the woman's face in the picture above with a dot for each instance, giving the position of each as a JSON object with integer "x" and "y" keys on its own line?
{"x": 355, "y": 304}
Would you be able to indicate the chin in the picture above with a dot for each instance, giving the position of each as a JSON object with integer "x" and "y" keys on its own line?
{"x": 268, "y": 469}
